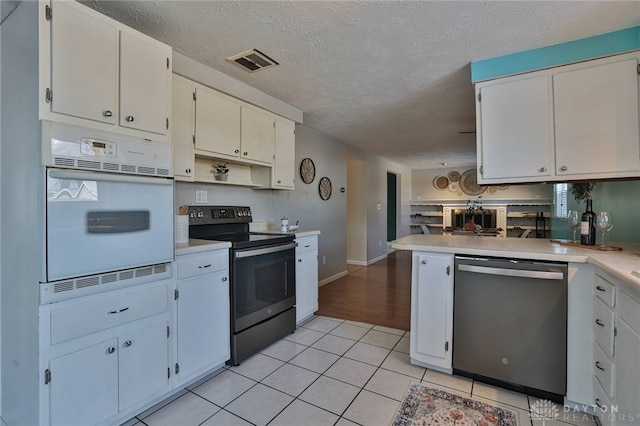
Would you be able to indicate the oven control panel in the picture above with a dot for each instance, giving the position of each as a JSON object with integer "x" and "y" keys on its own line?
{"x": 199, "y": 215}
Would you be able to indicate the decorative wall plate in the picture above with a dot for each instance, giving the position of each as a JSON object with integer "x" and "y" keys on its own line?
{"x": 469, "y": 183}
{"x": 492, "y": 189}
{"x": 454, "y": 187}
{"x": 324, "y": 188}
{"x": 453, "y": 176}
{"x": 441, "y": 182}
{"x": 307, "y": 170}
{"x": 503, "y": 187}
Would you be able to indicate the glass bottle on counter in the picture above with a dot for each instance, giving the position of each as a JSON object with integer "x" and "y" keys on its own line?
{"x": 588, "y": 225}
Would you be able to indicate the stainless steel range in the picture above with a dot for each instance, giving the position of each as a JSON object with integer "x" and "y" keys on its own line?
{"x": 262, "y": 277}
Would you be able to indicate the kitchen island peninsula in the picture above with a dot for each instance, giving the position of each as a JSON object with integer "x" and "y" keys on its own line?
{"x": 602, "y": 302}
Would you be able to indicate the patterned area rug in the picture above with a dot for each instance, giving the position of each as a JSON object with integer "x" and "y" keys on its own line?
{"x": 424, "y": 406}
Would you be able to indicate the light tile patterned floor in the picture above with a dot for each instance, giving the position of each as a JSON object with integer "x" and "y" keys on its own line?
{"x": 329, "y": 372}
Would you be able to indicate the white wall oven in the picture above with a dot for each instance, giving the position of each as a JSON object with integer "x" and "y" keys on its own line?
{"x": 109, "y": 210}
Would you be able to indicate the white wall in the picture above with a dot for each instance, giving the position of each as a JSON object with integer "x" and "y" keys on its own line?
{"x": 356, "y": 211}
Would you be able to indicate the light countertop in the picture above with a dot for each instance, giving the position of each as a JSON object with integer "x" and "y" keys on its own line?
{"x": 299, "y": 233}
{"x": 197, "y": 246}
{"x": 619, "y": 263}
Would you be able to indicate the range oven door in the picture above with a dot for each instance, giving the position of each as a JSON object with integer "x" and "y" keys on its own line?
{"x": 263, "y": 284}
{"x": 101, "y": 222}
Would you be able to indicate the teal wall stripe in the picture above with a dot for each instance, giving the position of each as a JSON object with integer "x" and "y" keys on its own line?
{"x": 558, "y": 54}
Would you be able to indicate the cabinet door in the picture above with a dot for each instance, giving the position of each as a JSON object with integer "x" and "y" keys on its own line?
{"x": 182, "y": 128}
{"x": 516, "y": 130}
{"x": 627, "y": 361}
{"x": 306, "y": 284}
{"x": 217, "y": 123}
{"x": 144, "y": 363}
{"x": 284, "y": 168}
{"x": 84, "y": 385}
{"x": 258, "y": 136}
{"x": 596, "y": 111}
{"x": 144, "y": 83}
{"x": 203, "y": 324}
{"x": 84, "y": 74}
{"x": 432, "y": 309}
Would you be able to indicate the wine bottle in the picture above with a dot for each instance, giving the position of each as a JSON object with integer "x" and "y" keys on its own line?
{"x": 588, "y": 225}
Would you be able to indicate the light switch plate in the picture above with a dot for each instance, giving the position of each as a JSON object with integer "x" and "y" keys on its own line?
{"x": 201, "y": 197}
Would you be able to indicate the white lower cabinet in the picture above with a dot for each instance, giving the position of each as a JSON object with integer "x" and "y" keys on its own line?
{"x": 616, "y": 367}
{"x": 432, "y": 310}
{"x": 202, "y": 313}
{"x": 306, "y": 278}
{"x": 103, "y": 376}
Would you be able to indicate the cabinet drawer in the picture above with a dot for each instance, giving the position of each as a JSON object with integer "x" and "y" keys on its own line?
{"x": 191, "y": 266}
{"x": 307, "y": 243}
{"x": 73, "y": 321}
{"x": 603, "y": 329}
{"x": 629, "y": 311}
{"x": 604, "y": 370}
{"x": 604, "y": 291}
{"x": 602, "y": 403}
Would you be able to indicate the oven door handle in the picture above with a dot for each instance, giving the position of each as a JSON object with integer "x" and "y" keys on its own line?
{"x": 107, "y": 177}
{"x": 267, "y": 250}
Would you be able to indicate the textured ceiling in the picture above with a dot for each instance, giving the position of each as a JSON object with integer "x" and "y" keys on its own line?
{"x": 388, "y": 77}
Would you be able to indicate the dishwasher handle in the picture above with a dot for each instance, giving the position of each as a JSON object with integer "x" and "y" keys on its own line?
{"x": 523, "y": 273}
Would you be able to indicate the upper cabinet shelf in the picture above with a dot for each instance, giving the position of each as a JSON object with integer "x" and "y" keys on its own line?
{"x": 573, "y": 122}
{"x": 98, "y": 73}
{"x": 258, "y": 146}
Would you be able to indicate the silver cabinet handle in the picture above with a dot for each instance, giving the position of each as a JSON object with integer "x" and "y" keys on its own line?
{"x": 188, "y": 171}
{"x": 423, "y": 261}
{"x": 224, "y": 279}
{"x": 279, "y": 181}
{"x": 543, "y": 169}
{"x": 111, "y": 350}
{"x": 600, "y": 288}
{"x": 299, "y": 260}
{"x": 245, "y": 153}
{"x": 127, "y": 343}
{"x": 107, "y": 113}
{"x": 563, "y": 168}
{"x": 117, "y": 311}
{"x": 129, "y": 118}
{"x": 237, "y": 151}
{"x": 599, "y": 322}
{"x": 598, "y": 403}
{"x": 204, "y": 266}
{"x": 598, "y": 366}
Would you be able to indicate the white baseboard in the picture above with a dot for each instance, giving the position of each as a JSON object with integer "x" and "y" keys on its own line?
{"x": 332, "y": 278}
{"x": 357, "y": 262}
{"x": 374, "y": 260}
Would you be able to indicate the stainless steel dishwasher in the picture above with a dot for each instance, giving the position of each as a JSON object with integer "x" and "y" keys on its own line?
{"x": 510, "y": 323}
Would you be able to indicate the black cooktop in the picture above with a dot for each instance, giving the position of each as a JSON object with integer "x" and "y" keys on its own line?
{"x": 230, "y": 223}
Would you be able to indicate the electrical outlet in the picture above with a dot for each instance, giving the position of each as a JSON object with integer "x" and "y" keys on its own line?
{"x": 201, "y": 197}
{"x": 379, "y": 243}
{"x": 324, "y": 260}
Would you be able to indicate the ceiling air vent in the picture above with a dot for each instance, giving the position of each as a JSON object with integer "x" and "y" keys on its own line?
{"x": 253, "y": 60}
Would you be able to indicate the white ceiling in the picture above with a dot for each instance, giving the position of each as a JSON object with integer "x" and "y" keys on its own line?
{"x": 389, "y": 77}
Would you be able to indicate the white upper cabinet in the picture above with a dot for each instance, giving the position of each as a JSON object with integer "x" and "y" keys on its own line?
{"x": 257, "y": 135}
{"x": 144, "y": 73}
{"x": 572, "y": 122}
{"x": 182, "y": 127}
{"x": 596, "y": 119}
{"x": 98, "y": 73}
{"x": 284, "y": 170}
{"x": 84, "y": 64}
{"x": 516, "y": 128}
{"x": 217, "y": 123}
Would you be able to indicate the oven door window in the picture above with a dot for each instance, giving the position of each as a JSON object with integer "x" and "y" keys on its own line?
{"x": 263, "y": 286}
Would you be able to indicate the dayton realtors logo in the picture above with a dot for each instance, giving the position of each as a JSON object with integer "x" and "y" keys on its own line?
{"x": 544, "y": 410}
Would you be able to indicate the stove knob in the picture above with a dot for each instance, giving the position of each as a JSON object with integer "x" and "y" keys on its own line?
{"x": 200, "y": 214}
{"x": 240, "y": 213}
{"x": 192, "y": 214}
{"x": 249, "y": 213}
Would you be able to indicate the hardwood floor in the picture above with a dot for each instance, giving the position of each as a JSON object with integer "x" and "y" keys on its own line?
{"x": 377, "y": 294}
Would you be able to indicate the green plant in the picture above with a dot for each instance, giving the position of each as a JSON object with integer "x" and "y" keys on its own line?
{"x": 221, "y": 169}
{"x": 581, "y": 190}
